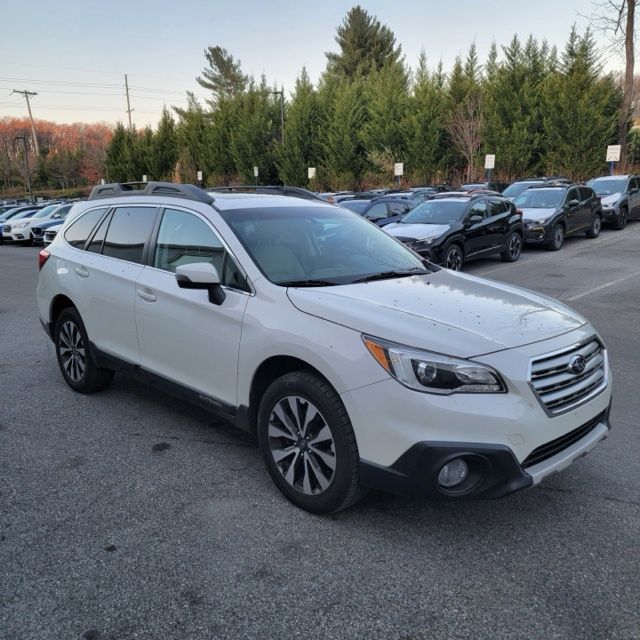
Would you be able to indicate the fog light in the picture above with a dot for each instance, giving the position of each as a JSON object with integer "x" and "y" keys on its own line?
{"x": 453, "y": 473}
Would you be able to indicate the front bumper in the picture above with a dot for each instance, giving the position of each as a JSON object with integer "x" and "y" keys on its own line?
{"x": 610, "y": 214}
{"x": 494, "y": 471}
{"x": 537, "y": 234}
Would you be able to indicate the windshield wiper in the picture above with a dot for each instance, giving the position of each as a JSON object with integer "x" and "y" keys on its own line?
{"x": 383, "y": 275}
{"x": 306, "y": 283}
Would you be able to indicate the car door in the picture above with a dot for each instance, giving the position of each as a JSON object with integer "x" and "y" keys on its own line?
{"x": 590, "y": 200}
{"x": 575, "y": 210}
{"x": 477, "y": 238}
{"x": 634, "y": 197}
{"x": 184, "y": 337}
{"x": 112, "y": 262}
{"x": 498, "y": 222}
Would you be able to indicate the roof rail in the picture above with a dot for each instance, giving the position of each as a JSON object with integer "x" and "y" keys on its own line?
{"x": 282, "y": 190}
{"x": 171, "y": 189}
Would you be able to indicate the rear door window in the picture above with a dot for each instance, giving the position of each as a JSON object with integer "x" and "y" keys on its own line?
{"x": 585, "y": 194}
{"x": 128, "y": 233}
{"x": 79, "y": 230}
{"x": 478, "y": 208}
{"x": 377, "y": 211}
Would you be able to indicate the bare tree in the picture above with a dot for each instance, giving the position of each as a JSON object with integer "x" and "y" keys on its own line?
{"x": 465, "y": 128}
{"x": 616, "y": 19}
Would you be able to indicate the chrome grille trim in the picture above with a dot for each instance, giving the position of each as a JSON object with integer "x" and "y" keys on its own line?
{"x": 557, "y": 387}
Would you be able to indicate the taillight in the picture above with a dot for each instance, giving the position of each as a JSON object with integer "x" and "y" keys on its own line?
{"x": 43, "y": 256}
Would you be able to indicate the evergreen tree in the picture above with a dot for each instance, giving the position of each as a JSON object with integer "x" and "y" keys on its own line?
{"x": 345, "y": 156}
{"x": 580, "y": 111}
{"x": 164, "y": 151}
{"x": 365, "y": 46}
{"x": 302, "y": 134}
{"x": 191, "y": 132}
{"x": 115, "y": 160}
{"x": 223, "y": 77}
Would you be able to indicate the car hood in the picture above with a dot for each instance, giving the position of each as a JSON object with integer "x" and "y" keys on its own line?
{"x": 447, "y": 312}
{"x": 610, "y": 200}
{"x": 49, "y": 223}
{"x": 417, "y": 231}
{"x": 537, "y": 214}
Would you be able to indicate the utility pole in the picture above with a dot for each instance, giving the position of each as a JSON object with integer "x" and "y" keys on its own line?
{"x": 26, "y": 164}
{"x": 281, "y": 94}
{"x": 129, "y": 109}
{"x": 27, "y": 95}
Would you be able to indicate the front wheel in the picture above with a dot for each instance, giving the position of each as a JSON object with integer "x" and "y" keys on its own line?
{"x": 514, "y": 247}
{"x": 557, "y": 238}
{"x": 596, "y": 227}
{"x": 74, "y": 358}
{"x": 453, "y": 258}
{"x": 308, "y": 443}
{"x": 621, "y": 221}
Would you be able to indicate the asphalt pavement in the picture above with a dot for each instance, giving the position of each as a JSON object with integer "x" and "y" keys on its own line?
{"x": 127, "y": 514}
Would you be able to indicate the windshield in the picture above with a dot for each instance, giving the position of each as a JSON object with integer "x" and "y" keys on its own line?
{"x": 607, "y": 186}
{"x": 318, "y": 245}
{"x": 6, "y": 214}
{"x": 355, "y": 205}
{"x": 540, "y": 199}
{"x": 517, "y": 188}
{"x": 62, "y": 212}
{"x": 436, "y": 212}
{"x": 24, "y": 214}
{"x": 45, "y": 212}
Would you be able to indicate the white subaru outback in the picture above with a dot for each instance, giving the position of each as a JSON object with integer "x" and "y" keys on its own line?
{"x": 357, "y": 363}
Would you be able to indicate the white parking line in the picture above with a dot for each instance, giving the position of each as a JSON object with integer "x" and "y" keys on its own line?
{"x": 561, "y": 255}
{"x": 602, "y": 286}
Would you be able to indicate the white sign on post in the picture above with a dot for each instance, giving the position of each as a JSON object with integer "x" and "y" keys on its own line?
{"x": 102, "y": 181}
{"x": 490, "y": 161}
{"x": 613, "y": 153}
{"x": 199, "y": 176}
{"x": 144, "y": 178}
{"x": 255, "y": 172}
{"x": 311, "y": 173}
{"x": 398, "y": 169}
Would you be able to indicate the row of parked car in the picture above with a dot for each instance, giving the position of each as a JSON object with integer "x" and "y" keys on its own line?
{"x": 446, "y": 226}
{"x": 450, "y": 227}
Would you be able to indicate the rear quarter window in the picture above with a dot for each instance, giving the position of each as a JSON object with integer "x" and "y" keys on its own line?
{"x": 80, "y": 228}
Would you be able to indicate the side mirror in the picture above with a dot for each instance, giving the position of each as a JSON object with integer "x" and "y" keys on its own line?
{"x": 633, "y": 190}
{"x": 201, "y": 275}
{"x": 573, "y": 203}
{"x": 475, "y": 219}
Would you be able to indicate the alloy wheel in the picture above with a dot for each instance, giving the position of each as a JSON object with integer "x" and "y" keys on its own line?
{"x": 72, "y": 351}
{"x": 302, "y": 445}
{"x": 558, "y": 237}
{"x": 515, "y": 246}
{"x": 454, "y": 258}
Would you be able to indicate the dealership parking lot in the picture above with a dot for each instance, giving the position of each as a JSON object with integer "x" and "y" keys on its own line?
{"x": 130, "y": 515}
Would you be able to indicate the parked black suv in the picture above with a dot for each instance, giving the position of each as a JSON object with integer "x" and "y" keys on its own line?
{"x": 553, "y": 211}
{"x": 450, "y": 229}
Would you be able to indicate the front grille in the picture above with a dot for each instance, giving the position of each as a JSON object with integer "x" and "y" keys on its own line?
{"x": 50, "y": 235}
{"x": 559, "y": 386}
{"x": 550, "y": 449}
{"x": 37, "y": 232}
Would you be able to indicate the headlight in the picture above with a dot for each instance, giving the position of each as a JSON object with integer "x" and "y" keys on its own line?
{"x": 535, "y": 223}
{"x": 20, "y": 225}
{"x": 433, "y": 372}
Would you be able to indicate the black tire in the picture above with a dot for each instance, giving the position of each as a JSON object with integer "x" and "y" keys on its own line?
{"x": 453, "y": 257}
{"x": 310, "y": 392}
{"x": 621, "y": 220}
{"x": 514, "y": 247}
{"x": 557, "y": 238}
{"x": 71, "y": 341}
{"x": 596, "y": 227}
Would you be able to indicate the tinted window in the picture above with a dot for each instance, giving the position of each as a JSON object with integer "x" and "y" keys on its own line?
{"x": 184, "y": 239}
{"x": 517, "y": 188}
{"x": 498, "y": 207}
{"x": 436, "y": 212}
{"x": 585, "y": 194}
{"x": 572, "y": 195}
{"x": 95, "y": 245}
{"x": 79, "y": 230}
{"x": 129, "y": 229}
{"x": 377, "y": 211}
{"x": 478, "y": 209}
{"x": 356, "y": 205}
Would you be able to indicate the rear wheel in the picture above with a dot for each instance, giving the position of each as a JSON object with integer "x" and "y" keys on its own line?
{"x": 308, "y": 444}
{"x": 557, "y": 238}
{"x": 514, "y": 247}
{"x": 596, "y": 227}
{"x": 453, "y": 258}
{"x": 621, "y": 220}
{"x": 74, "y": 358}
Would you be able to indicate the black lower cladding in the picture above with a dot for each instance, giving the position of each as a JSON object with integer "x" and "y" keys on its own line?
{"x": 494, "y": 471}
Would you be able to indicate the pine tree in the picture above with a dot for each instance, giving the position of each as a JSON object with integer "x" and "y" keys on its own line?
{"x": 365, "y": 46}
{"x": 164, "y": 151}
{"x": 115, "y": 160}
{"x": 191, "y": 132}
{"x": 223, "y": 77}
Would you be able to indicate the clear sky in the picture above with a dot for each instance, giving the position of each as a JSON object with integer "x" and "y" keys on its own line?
{"x": 75, "y": 53}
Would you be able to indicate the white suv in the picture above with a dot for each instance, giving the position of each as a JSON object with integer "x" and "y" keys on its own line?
{"x": 357, "y": 363}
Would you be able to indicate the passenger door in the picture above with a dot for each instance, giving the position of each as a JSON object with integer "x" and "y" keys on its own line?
{"x": 588, "y": 197}
{"x": 477, "y": 236}
{"x": 634, "y": 196}
{"x": 184, "y": 337}
{"x": 498, "y": 222}
{"x": 113, "y": 261}
{"x": 575, "y": 213}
